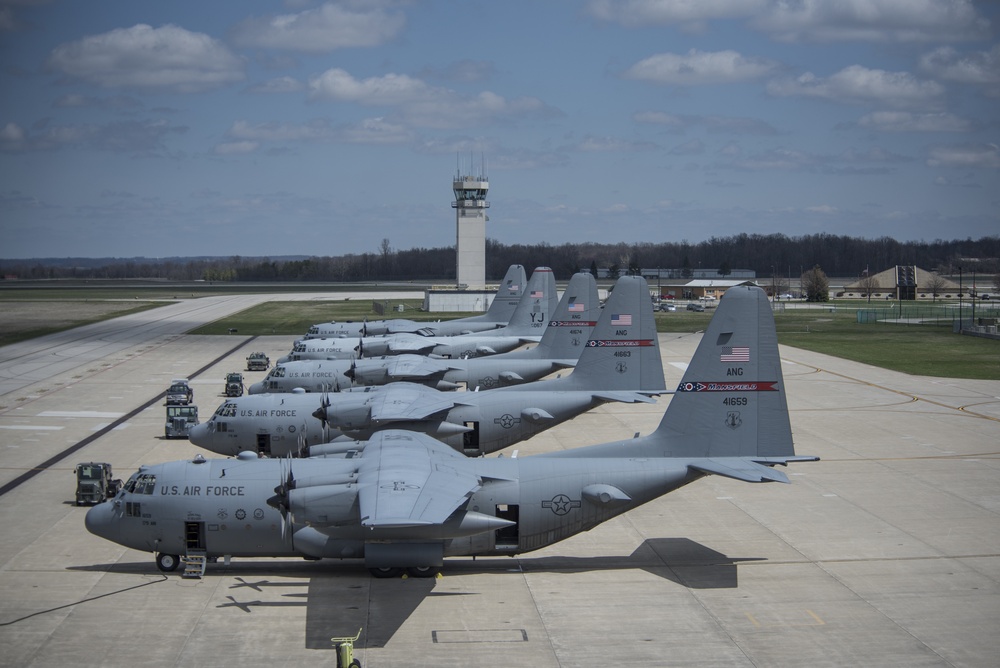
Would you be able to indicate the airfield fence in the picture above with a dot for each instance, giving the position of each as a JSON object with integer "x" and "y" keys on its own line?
{"x": 985, "y": 315}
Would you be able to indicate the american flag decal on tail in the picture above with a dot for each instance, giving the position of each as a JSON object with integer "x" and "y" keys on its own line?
{"x": 735, "y": 354}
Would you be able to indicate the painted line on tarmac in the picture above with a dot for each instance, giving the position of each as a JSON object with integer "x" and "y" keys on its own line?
{"x": 32, "y": 472}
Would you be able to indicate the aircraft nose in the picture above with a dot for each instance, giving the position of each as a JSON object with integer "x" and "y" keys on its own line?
{"x": 256, "y": 388}
{"x": 199, "y": 434}
{"x": 101, "y": 521}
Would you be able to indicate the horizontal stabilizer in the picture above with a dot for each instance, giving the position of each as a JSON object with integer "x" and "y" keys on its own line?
{"x": 738, "y": 468}
{"x": 627, "y": 397}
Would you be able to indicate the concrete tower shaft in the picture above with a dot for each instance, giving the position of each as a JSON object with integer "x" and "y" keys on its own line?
{"x": 470, "y": 230}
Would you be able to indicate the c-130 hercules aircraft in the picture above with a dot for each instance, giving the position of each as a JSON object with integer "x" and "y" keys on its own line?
{"x": 408, "y": 501}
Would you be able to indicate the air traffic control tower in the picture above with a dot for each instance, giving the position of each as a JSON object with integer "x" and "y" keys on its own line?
{"x": 470, "y": 230}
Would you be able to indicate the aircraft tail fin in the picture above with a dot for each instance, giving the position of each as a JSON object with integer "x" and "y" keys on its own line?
{"x": 508, "y": 295}
{"x": 731, "y": 400}
{"x": 623, "y": 351}
{"x": 536, "y": 305}
{"x": 571, "y": 324}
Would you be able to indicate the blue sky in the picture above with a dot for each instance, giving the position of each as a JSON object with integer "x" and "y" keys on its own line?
{"x": 137, "y": 128}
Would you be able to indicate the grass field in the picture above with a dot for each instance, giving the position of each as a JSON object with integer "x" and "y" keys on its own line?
{"x": 920, "y": 349}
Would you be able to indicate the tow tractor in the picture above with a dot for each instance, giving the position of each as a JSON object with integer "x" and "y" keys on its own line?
{"x": 180, "y": 419}
{"x": 94, "y": 483}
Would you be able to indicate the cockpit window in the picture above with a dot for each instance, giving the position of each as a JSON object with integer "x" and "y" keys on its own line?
{"x": 227, "y": 409}
{"x": 145, "y": 483}
{"x": 277, "y": 372}
{"x": 314, "y": 329}
{"x": 298, "y": 347}
{"x": 130, "y": 484}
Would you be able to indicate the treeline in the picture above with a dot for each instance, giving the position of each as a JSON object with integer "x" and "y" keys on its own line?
{"x": 764, "y": 254}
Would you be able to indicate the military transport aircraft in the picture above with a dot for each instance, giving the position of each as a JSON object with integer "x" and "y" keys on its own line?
{"x": 526, "y": 325}
{"x": 497, "y": 315}
{"x": 559, "y": 348}
{"x": 620, "y": 362}
{"x": 406, "y": 501}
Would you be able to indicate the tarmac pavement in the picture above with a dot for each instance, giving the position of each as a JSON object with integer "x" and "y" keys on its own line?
{"x": 885, "y": 553}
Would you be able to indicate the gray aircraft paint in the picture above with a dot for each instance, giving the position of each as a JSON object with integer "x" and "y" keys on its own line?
{"x": 408, "y": 501}
{"x": 503, "y": 305}
{"x": 559, "y": 348}
{"x": 620, "y": 362}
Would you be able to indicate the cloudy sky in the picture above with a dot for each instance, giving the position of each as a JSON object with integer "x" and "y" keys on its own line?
{"x": 140, "y": 128}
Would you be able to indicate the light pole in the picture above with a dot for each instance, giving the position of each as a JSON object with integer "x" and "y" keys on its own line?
{"x": 772, "y": 283}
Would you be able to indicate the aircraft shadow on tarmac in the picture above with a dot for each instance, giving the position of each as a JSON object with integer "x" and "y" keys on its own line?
{"x": 343, "y": 598}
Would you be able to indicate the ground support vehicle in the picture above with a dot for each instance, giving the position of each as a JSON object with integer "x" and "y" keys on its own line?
{"x": 345, "y": 651}
{"x": 94, "y": 483}
{"x": 258, "y": 362}
{"x": 179, "y": 392}
{"x": 234, "y": 384}
{"x": 180, "y": 419}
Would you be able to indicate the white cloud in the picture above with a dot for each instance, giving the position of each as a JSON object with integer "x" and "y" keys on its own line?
{"x": 376, "y": 131}
{"x": 732, "y": 125}
{"x": 694, "y": 147}
{"x": 278, "y": 85}
{"x": 591, "y": 144}
{"x": 700, "y": 68}
{"x": 872, "y": 20}
{"x": 824, "y": 209}
{"x": 170, "y": 57}
{"x": 980, "y": 67}
{"x": 124, "y": 136}
{"x": 812, "y": 20}
{"x": 391, "y": 89}
{"x": 860, "y": 85}
{"x": 235, "y": 147}
{"x": 905, "y": 121}
{"x": 965, "y": 155}
{"x": 316, "y": 130}
{"x": 640, "y": 13}
{"x": 422, "y": 105}
{"x": 320, "y": 30}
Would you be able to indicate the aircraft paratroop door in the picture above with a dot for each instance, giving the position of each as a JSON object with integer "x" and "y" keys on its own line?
{"x": 264, "y": 445}
{"x": 470, "y": 439}
{"x": 194, "y": 535}
{"x": 508, "y": 537}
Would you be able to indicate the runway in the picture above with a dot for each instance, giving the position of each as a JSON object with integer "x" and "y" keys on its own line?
{"x": 885, "y": 553}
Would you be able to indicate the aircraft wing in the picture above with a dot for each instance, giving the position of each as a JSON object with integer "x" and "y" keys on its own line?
{"x": 410, "y": 343}
{"x": 405, "y": 367}
{"x": 407, "y": 401}
{"x": 406, "y": 480}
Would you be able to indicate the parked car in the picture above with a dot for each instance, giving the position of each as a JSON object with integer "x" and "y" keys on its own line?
{"x": 666, "y": 306}
{"x": 693, "y": 306}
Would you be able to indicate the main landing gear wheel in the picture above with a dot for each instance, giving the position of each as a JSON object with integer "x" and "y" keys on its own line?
{"x": 167, "y": 562}
{"x": 422, "y": 571}
{"x": 386, "y": 572}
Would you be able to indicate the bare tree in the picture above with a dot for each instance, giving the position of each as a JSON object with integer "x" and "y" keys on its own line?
{"x": 935, "y": 285}
{"x": 869, "y": 284}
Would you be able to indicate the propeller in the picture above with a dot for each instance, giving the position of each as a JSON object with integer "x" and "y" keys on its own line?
{"x": 320, "y": 414}
{"x": 360, "y": 348}
{"x": 301, "y": 442}
{"x": 281, "y": 502}
{"x": 352, "y": 372}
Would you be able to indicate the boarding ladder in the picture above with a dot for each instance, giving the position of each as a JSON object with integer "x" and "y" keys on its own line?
{"x": 194, "y": 564}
